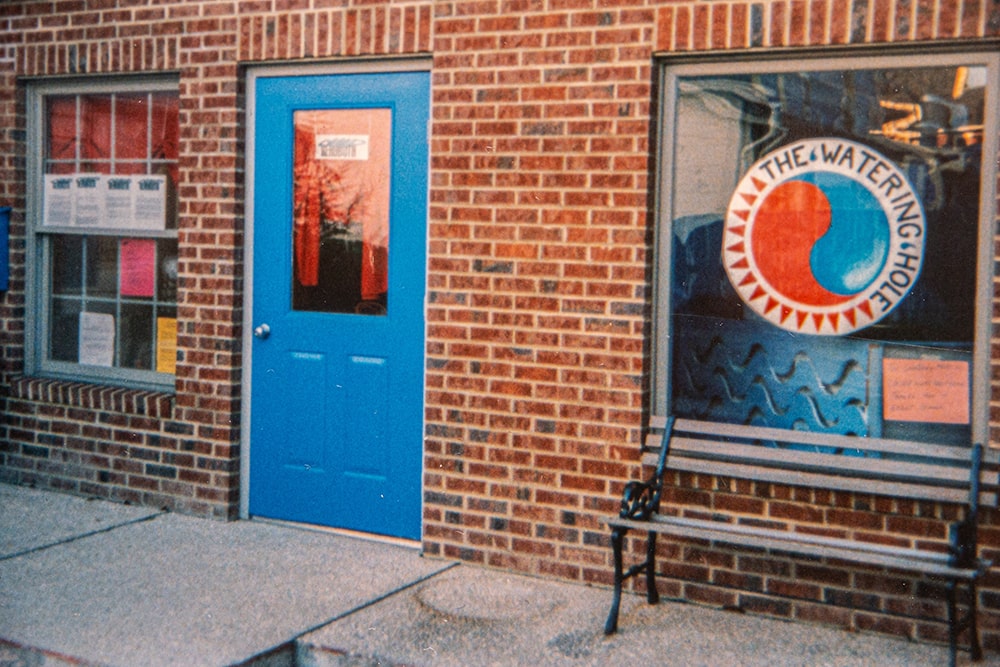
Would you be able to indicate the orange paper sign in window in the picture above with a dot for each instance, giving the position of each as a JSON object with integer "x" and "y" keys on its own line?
{"x": 925, "y": 390}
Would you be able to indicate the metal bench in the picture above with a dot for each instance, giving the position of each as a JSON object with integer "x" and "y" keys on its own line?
{"x": 966, "y": 476}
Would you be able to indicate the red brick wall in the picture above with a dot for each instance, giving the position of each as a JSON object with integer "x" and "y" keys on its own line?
{"x": 538, "y": 286}
{"x": 181, "y": 450}
{"x": 539, "y": 281}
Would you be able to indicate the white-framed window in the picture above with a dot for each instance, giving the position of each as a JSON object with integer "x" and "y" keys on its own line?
{"x": 825, "y": 242}
{"x": 102, "y": 230}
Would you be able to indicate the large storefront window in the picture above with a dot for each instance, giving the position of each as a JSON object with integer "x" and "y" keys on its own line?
{"x": 104, "y": 232}
{"x": 825, "y": 243}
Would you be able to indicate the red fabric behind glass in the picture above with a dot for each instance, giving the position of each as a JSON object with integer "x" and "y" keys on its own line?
{"x": 95, "y": 132}
{"x": 62, "y": 128}
{"x": 131, "y": 115}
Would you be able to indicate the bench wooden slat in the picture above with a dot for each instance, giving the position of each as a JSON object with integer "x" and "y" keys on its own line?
{"x": 928, "y": 471}
{"x": 835, "y": 464}
{"x": 817, "y": 480}
{"x": 908, "y": 560}
{"x": 741, "y": 530}
{"x": 866, "y": 444}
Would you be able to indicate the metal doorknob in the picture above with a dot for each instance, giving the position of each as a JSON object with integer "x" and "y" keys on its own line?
{"x": 262, "y": 331}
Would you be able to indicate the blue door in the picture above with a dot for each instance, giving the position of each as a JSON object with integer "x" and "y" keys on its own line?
{"x": 339, "y": 234}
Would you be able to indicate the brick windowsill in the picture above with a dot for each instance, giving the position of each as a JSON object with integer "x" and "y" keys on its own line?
{"x": 154, "y": 404}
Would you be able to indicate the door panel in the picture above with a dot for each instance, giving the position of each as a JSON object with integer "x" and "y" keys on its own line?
{"x": 339, "y": 235}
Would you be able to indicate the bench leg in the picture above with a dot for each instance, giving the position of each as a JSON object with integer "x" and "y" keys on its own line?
{"x": 652, "y": 595}
{"x": 975, "y": 648}
{"x": 952, "y": 623}
{"x": 957, "y": 625}
{"x": 617, "y": 540}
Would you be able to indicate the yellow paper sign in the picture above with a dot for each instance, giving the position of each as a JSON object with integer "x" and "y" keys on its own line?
{"x": 166, "y": 345}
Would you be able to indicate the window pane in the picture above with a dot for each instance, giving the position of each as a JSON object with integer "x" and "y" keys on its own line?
{"x": 165, "y": 129}
{"x": 64, "y": 329}
{"x": 131, "y": 123}
{"x": 95, "y": 131}
{"x": 166, "y": 266}
{"x": 130, "y": 168}
{"x": 67, "y": 265}
{"x": 102, "y": 267}
{"x": 62, "y": 134}
{"x": 136, "y": 336}
{"x": 824, "y": 224}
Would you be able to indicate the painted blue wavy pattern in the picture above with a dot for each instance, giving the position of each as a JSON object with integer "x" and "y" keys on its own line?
{"x": 751, "y": 373}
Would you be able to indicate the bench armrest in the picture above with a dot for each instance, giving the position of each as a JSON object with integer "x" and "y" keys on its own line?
{"x": 641, "y": 500}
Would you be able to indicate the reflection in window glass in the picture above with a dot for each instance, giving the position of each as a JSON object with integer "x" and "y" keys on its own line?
{"x": 67, "y": 262}
{"x": 341, "y": 210}
{"x": 102, "y": 267}
{"x": 822, "y": 223}
{"x": 137, "y": 336}
{"x": 65, "y": 314}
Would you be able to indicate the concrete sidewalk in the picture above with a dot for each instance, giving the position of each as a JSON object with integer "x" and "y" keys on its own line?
{"x": 90, "y": 583}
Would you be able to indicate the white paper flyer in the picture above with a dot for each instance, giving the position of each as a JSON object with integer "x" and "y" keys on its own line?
{"x": 88, "y": 200}
{"x": 97, "y": 339}
{"x": 150, "y": 210}
{"x": 58, "y": 210}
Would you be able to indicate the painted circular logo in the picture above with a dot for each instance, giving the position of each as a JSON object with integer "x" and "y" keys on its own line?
{"x": 824, "y": 236}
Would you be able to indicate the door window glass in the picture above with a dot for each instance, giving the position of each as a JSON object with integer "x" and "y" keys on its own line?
{"x": 341, "y": 210}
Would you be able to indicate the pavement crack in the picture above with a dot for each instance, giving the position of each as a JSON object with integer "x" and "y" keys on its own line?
{"x": 81, "y": 536}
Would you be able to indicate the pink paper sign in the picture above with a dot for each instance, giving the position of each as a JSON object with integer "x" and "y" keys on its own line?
{"x": 138, "y": 267}
{"x": 925, "y": 390}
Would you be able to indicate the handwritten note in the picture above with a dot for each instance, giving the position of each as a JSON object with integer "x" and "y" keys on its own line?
{"x": 925, "y": 390}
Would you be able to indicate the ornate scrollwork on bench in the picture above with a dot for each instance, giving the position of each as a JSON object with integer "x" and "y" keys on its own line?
{"x": 641, "y": 500}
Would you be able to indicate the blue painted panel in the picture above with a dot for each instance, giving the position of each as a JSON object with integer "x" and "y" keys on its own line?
{"x": 367, "y": 406}
{"x": 746, "y": 372}
{"x": 303, "y": 412}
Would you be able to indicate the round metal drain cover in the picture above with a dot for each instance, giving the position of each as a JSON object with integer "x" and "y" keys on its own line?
{"x": 486, "y": 600}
